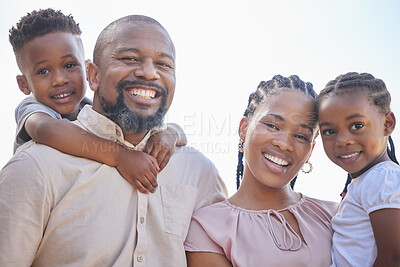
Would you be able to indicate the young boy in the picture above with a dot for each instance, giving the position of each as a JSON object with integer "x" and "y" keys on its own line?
{"x": 50, "y": 55}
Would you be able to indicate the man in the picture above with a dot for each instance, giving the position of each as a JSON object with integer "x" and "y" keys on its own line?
{"x": 57, "y": 209}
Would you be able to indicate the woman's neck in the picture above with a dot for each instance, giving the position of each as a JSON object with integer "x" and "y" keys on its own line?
{"x": 263, "y": 198}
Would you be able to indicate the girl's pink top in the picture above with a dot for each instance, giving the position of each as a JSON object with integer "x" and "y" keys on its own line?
{"x": 263, "y": 237}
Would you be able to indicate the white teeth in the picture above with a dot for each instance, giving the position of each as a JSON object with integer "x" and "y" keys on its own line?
{"x": 148, "y": 94}
{"x": 276, "y": 160}
{"x": 62, "y": 95}
{"x": 349, "y": 156}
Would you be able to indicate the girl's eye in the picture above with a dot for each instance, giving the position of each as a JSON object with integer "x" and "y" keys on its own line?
{"x": 328, "y": 132}
{"x": 70, "y": 65}
{"x": 357, "y": 126}
{"x": 43, "y": 71}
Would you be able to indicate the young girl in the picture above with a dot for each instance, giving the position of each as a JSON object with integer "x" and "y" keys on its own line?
{"x": 356, "y": 123}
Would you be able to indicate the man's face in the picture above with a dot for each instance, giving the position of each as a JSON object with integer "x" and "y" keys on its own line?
{"x": 136, "y": 77}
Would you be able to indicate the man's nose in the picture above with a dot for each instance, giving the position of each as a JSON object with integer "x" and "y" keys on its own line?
{"x": 146, "y": 70}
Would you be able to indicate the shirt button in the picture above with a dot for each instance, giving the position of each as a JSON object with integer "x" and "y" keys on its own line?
{"x": 139, "y": 258}
{"x": 141, "y": 220}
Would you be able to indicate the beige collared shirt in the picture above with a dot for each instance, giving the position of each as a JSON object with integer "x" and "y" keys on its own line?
{"x": 61, "y": 210}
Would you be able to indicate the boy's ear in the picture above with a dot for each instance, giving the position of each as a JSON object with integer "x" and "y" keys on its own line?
{"x": 244, "y": 123}
{"x": 23, "y": 84}
{"x": 390, "y": 123}
{"x": 92, "y": 75}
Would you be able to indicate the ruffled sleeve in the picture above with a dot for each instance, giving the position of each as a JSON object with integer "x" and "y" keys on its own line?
{"x": 198, "y": 240}
{"x": 380, "y": 188}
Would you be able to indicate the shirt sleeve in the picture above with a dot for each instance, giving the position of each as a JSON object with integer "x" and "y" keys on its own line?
{"x": 381, "y": 189}
{"x": 24, "y": 210}
{"x": 198, "y": 240}
{"x": 26, "y": 108}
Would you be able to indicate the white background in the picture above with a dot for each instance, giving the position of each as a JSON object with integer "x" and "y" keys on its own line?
{"x": 224, "y": 49}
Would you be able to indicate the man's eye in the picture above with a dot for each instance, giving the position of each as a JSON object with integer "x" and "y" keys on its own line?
{"x": 328, "y": 132}
{"x": 130, "y": 59}
{"x": 163, "y": 64}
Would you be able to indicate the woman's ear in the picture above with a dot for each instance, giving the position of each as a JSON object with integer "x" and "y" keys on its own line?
{"x": 244, "y": 123}
{"x": 390, "y": 123}
{"x": 23, "y": 84}
{"x": 92, "y": 75}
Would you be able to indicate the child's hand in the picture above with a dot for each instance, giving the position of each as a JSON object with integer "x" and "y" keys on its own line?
{"x": 162, "y": 146}
{"x": 139, "y": 169}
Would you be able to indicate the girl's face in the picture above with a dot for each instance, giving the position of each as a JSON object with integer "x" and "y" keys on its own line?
{"x": 278, "y": 139}
{"x": 354, "y": 132}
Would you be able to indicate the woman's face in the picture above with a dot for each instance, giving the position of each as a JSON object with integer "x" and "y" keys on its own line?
{"x": 278, "y": 138}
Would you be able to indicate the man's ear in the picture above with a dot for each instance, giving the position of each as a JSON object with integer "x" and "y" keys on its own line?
{"x": 92, "y": 75}
{"x": 87, "y": 62}
{"x": 23, "y": 84}
{"x": 244, "y": 123}
{"x": 390, "y": 123}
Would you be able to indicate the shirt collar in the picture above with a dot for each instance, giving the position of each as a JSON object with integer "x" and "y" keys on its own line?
{"x": 102, "y": 126}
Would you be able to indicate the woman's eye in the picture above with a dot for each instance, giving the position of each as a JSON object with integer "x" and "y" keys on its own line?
{"x": 302, "y": 137}
{"x": 43, "y": 71}
{"x": 328, "y": 132}
{"x": 357, "y": 126}
{"x": 272, "y": 126}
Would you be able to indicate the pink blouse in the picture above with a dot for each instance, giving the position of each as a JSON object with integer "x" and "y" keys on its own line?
{"x": 263, "y": 237}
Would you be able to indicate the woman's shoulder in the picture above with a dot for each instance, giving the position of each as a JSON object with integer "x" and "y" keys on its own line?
{"x": 321, "y": 206}
{"x": 218, "y": 209}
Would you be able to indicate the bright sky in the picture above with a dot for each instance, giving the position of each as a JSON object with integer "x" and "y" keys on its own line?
{"x": 224, "y": 49}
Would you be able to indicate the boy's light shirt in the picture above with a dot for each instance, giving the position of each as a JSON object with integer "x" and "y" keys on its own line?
{"x": 29, "y": 106}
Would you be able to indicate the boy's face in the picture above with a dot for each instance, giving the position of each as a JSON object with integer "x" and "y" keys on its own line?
{"x": 53, "y": 68}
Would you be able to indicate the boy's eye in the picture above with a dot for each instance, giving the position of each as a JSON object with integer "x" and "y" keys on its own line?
{"x": 328, "y": 132}
{"x": 357, "y": 126}
{"x": 70, "y": 65}
{"x": 43, "y": 71}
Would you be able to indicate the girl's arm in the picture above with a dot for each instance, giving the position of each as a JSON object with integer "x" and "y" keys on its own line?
{"x": 136, "y": 167}
{"x": 386, "y": 226}
{"x": 209, "y": 259}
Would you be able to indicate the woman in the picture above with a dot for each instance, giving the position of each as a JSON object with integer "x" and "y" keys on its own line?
{"x": 266, "y": 223}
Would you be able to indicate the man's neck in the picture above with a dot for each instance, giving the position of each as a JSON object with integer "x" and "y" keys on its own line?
{"x": 135, "y": 138}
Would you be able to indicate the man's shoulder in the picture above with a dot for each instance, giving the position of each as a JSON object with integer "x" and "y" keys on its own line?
{"x": 191, "y": 155}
